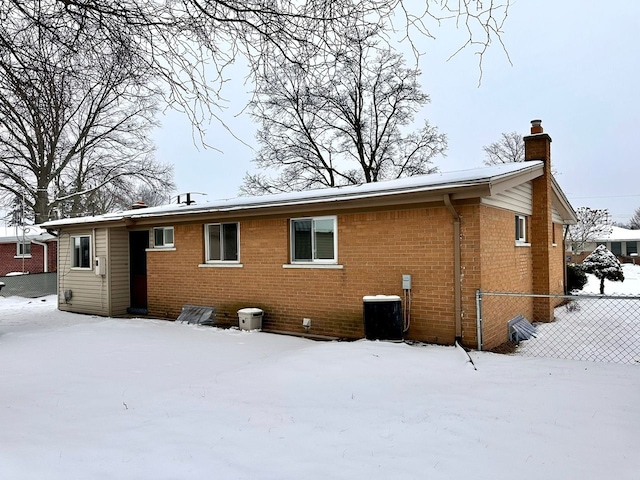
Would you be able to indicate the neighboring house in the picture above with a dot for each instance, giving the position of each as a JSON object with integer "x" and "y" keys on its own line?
{"x": 315, "y": 254}
{"x": 622, "y": 242}
{"x": 27, "y": 250}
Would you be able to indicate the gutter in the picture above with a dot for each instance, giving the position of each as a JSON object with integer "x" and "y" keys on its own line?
{"x": 457, "y": 275}
{"x": 564, "y": 257}
{"x": 458, "y": 186}
{"x": 46, "y": 254}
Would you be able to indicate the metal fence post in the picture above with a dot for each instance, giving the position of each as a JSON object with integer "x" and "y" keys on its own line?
{"x": 479, "y": 318}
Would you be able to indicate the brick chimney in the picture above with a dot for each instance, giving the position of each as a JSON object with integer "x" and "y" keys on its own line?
{"x": 537, "y": 146}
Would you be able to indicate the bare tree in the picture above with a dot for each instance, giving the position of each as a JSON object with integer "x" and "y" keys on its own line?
{"x": 72, "y": 122}
{"x": 592, "y": 225}
{"x": 509, "y": 149}
{"x": 341, "y": 122}
{"x": 634, "y": 221}
{"x": 187, "y": 44}
{"x": 114, "y": 199}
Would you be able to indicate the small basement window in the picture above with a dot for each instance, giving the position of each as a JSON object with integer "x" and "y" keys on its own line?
{"x": 163, "y": 237}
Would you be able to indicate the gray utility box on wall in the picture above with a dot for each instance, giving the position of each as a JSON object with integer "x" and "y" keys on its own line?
{"x": 382, "y": 316}
{"x": 250, "y": 318}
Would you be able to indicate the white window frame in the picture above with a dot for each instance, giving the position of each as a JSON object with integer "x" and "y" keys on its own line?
{"x": 20, "y": 253}
{"x": 313, "y": 260}
{"x": 165, "y": 244}
{"x": 73, "y": 253}
{"x": 207, "y": 246}
{"x": 521, "y": 229}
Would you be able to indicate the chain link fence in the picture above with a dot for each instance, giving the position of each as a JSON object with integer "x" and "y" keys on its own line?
{"x": 593, "y": 328}
{"x": 31, "y": 285}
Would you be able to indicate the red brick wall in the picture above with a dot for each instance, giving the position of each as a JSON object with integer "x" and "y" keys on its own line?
{"x": 35, "y": 264}
{"x": 53, "y": 256}
{"x": 538, "y": 147}
{"x": 374, "y": 248}
{"x": 557, "y": 262}
{"x": 505, "y": 268}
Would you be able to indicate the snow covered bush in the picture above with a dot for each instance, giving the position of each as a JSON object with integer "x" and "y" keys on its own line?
{"x": 576, "y": 277}
{"x": 604, "y": 265}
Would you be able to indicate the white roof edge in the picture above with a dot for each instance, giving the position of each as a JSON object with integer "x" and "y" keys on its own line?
{"x": 423, "y": 183}
{"x": 289, "y": 203}
{"x": 564, "y": 203}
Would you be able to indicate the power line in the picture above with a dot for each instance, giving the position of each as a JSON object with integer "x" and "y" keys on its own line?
{"x": 604, "y": 196}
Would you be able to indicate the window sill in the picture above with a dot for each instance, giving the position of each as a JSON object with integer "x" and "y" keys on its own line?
{"x": 82, "y": 269}
{"x": 160, "y": 249}
{"x": 221, "y": 265}
{"x": 22, "y": 256}
{"x": 522, "y": 244}
{"x": 314, "y": 265}
{"x": 554, "y": 244}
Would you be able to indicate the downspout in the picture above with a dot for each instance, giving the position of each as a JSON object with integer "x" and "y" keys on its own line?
{"x": 107, "y": 277}
{"x": 457, "y": 274}
{"x": 564, "y": 257}
{"x": 46, "y": 254}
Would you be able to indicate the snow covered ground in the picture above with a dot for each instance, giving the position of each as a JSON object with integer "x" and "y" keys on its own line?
{"x": 594, "y": 329}
{"x": 630, "y": 286}
{"x": 98, "y": 398}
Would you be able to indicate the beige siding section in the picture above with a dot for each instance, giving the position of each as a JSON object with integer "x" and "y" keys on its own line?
{"x": 517, "y": 199}
{"x": 555, "y": 215}
{"x": 118, "y": 270}
{"x": 89, "y": 291}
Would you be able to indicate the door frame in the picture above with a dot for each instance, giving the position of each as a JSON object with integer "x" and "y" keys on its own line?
{"x": 138, "y": 293}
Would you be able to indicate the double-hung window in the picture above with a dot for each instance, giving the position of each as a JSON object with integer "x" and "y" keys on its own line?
{"x": 222, "y": 242}
{"x": 81, "y": 247}
{"x": 163, "y": 237}
{"x": 521, "y": 229}
{"x": 314, "y": 240}
{"x": 23, "y": 249}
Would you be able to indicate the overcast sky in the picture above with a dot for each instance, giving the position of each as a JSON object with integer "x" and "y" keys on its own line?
{"x": 575, "y": 66}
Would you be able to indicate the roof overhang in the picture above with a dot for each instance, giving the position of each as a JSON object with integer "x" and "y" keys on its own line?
{"x": 560, "y": 201}
{"x": 426, "y": 190}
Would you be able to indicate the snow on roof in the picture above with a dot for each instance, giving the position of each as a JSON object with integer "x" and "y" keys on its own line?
{"x": 419, "y": 183}
{"x": 14, "y": 234}
{"x": 620, "y": 234}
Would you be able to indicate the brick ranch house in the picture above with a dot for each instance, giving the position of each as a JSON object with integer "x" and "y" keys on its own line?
{"x": 27, "y": 250}
{"x": 316, "y": 254}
